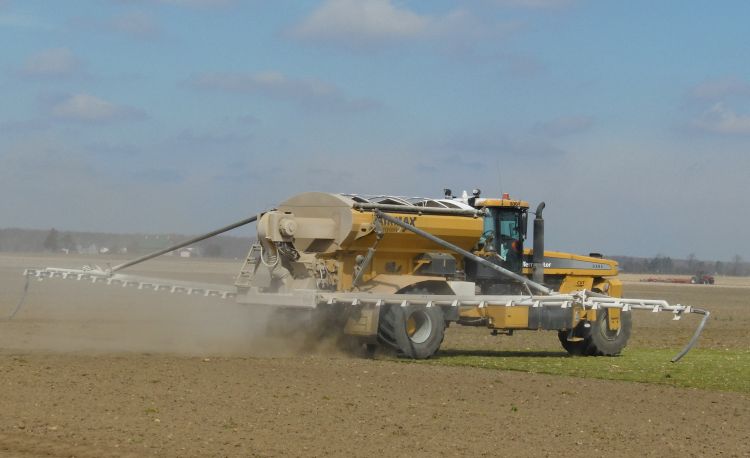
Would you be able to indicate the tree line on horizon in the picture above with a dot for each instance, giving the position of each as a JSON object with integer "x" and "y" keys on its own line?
{"x": 92, "y": 243}
{"x": 661, "y": 264}
{"x": 54, "y": 241}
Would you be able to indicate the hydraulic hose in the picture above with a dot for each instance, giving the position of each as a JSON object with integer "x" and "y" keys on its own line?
{"x": 184, "y": 244}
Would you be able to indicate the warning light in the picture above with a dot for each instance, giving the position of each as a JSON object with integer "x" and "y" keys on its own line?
{"x": 506, "y": 196}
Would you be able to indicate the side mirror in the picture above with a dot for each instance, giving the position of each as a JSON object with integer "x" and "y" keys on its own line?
{"x": 524, "y": 224}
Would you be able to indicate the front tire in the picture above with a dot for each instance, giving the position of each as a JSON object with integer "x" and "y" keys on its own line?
{"x": 607, "y": 342}
{"x": 573, "y": 347}
{"x": 598, "y": 339}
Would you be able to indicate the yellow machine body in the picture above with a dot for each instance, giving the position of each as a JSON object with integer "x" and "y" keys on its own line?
{"x": 333, "y": 237}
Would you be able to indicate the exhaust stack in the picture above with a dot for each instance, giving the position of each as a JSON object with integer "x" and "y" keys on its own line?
{"x": 538, "y": 257}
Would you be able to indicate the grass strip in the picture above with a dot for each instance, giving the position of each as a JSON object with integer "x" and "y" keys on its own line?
{"x": 720, "y": 370}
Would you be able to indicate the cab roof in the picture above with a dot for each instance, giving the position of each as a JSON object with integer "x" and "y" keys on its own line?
{"x": 500, "y": 203}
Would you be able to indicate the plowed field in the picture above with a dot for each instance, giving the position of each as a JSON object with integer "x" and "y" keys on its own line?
{"x": 92, "y": 370}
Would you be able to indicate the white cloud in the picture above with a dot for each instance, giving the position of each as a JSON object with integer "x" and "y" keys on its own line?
{"x": 262, "y": 82}
{"x": 722, "y": 120}
{"x": 369, "y": 24}
{"x": 188, "y": 3}
{"x": 310, "y": 93}
{"x": 88, "y": 108}
{"x": 716, "y": 89}
{"x": 364, "y": 21}
{"x": 536, "y": 4}
{"x": 52, "y": 63}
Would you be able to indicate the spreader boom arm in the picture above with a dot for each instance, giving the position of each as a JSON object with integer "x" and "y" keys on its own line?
{"x": 199, "y": 238}
{"x": 313, "y": 299}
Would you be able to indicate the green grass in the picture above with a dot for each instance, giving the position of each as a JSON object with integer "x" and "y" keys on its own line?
{"x": 706, "y": 369}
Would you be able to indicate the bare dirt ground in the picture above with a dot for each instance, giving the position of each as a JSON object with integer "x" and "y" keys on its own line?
{"x": 91, "y": 370}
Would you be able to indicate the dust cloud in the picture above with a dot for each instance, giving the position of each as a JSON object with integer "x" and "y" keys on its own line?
{"x": 74, "y": 316}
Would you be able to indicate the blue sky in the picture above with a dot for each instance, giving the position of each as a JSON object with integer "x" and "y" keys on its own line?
{"x": 630, "y": 119}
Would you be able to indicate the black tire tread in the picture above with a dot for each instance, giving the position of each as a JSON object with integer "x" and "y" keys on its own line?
{"x": 593, "y": 343}
{"x": 392, "y": 332}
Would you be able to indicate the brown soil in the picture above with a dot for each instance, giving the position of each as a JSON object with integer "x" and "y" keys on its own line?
{"x": 90, "y": 370}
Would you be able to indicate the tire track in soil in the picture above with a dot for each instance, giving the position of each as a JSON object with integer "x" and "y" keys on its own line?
{"x": 22, "y": 445}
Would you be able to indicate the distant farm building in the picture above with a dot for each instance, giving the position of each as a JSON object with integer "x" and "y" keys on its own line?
{"x": 188, "y": 252}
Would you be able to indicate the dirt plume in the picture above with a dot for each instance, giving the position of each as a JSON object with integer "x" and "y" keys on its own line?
{"x": 74, "y": 316}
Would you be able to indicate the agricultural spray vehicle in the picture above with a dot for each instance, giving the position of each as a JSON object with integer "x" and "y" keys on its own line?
{"x": 395, "y": 272}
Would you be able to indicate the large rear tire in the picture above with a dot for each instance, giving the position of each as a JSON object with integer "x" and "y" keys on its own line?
{"x": 573, "y": 347}
{"x": 412, "y": 331}
{"x": 598, "y": 339}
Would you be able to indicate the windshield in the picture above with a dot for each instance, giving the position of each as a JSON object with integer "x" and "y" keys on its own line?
{"x": 505, "y": 225}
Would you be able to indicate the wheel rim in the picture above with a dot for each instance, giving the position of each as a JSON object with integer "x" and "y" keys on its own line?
{"x": 607, "y": 333}
{"x": 419, "y": 326}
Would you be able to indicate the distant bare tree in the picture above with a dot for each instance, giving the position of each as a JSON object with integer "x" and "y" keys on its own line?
{"x": 51, "y": 243}
{"x": 691, "y": 263}
{"x": 737, "y": 265}
{"x": 661, "y": 264}
{"x": 67, "y": 242}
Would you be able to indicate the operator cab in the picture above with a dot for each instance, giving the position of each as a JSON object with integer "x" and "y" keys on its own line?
{"x": 501, "y": 243}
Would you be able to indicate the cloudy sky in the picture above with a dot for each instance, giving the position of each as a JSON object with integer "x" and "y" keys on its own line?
{"x": 630, "y": 119}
